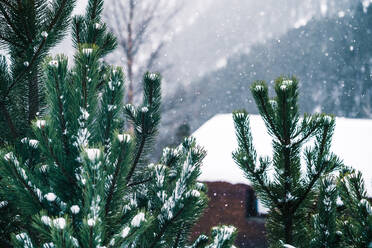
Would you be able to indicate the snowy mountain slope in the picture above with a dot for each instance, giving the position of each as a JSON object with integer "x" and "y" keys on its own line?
{"x": 230, "y": 27}
{"x": 351, "y": 142}
{"x": 328, "y": 56}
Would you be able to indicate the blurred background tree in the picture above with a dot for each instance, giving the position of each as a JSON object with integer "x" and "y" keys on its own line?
{"x": 142, "y": 28}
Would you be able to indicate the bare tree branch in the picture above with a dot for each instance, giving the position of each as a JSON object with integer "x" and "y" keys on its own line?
{"x": 155, "y": 55}
{"x": 141, "y": 28}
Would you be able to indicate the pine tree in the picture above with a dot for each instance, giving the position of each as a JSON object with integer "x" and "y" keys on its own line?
{"x": 287, "y": 192}
{"x": 326, "y": 232}
{"x": 81, "y": 181}
{"x": 356, "y": 217}
{"x": 28, "y": 30}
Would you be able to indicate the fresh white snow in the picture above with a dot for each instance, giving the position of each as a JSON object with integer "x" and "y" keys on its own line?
{"x": 91, "y": 222}
{"x": 59, "y": 223}
{"x": 75, "y": 209}
{"x": 3, "y": 204}
{"x": 50, "y": 197}
{"x": 87, "y": 51}
{"x": 93, "y": 153}
{"x": 53, "y": 63}
{"x": 144, "y": 109}
{"x": 352, "y": 142}
{"x": 138, "y": 219}
{"x": 46, "y": 220}
{"x": 125, "y": 232}
{"x": 288, "y": 246}
{"x": 124, "y": 137}
{"x": 41, "y": 123}
{"x": 33, "y": 143}
{"x": 44, "y": 34}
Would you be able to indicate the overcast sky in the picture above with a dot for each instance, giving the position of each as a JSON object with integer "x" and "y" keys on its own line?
{"x": 187, "y": 17}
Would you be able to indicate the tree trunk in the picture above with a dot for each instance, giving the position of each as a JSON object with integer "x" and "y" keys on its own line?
{"x": 130, "y": 79}
{"x": 288, "y": 229}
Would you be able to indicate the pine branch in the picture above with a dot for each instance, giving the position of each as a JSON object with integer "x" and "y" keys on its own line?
{"x": 9, "y": 22}
{"x": 8, "y": 4}
{"x": 137, "y": 158}
{"x": 287, "y": 168}
{"x": 320, "y": 172}
{"x": 263, "y": 185}
{"x": 77, "y": 30}
{"x": 25, "y": 23}
{"x": 12, "y": 42}
{"x": 9, "y": 120}
{"x": 57, "y": 17}
{"x": 311, "y": 132}
{"x": 39, "y": 49}
{"x": 26, "y": 186}
{"x": 247, "y": 166}
{"x": 139, "y": 182}
{"x": 357, "y": 190}
{"x": 113, "y": 184}
{"x": 94, "y": 10}
{"x": 270, "y": 121}
{"x": 164, "y": 228}
{"x": 61, "y": 115}
{"x": 139, "y": 151}
{"x": 178, "y": 238}
{"x": 56, "y": 160}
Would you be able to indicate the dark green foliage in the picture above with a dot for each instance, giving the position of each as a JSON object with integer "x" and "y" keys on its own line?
{"x": 356, "y": 216}
{"x": 287, "y": 192}
{"x": 91, "y": 30}
{"x": 82, "y": 181}
{"x": 28, "y": 30}
{"x": 144, "y": 119}
{"x": 82, "y": 194}
{"x": 326, "y": 233}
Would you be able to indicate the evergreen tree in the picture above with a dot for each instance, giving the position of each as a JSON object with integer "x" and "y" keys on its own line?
{"x": 81, "y": 181}
{"x": 287, "y": 192}
{"x": 326, "y": 232}
{"x": 356, "y": 217}
{"x": 28, "y": 30}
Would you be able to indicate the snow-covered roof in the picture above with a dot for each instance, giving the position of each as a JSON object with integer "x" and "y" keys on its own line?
{"x": 352, "y": 142}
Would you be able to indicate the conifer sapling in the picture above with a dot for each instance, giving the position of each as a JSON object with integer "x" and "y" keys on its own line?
{"x": 91, "y": 185}
{"x": 279, "y": 182}
{"x": 356, "y": 216}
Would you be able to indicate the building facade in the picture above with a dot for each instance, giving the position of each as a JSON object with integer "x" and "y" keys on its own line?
{"x": 233, "y": 204}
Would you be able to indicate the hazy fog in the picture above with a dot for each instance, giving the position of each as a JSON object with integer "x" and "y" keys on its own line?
{"x": 205, "y": 33}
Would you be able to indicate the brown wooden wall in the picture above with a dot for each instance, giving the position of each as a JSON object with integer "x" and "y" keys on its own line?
{"x": 228, "y": 205}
